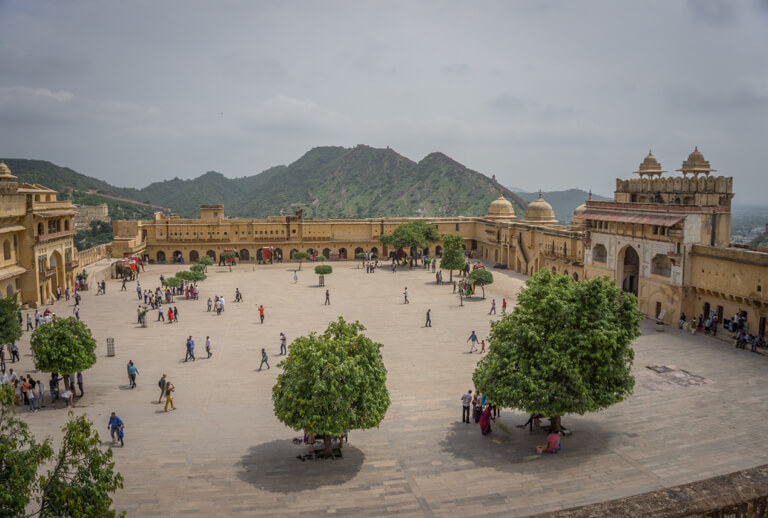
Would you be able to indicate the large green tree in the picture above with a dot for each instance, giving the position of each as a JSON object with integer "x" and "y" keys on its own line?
{"x": 80, "y": 477}
{"x": 10, "y": 328}
{"x": 480, "y": 277}
{"x": 332, "y": 382}
{"x": 65, "y": 346}
{"x": 322, "y": 270}
{"x": 415, "y": 234}
{"x": 453, "y": 253}
{"x": 566, "y": 348}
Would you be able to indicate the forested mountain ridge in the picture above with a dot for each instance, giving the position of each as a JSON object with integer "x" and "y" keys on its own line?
{"x": 325, "y": 182}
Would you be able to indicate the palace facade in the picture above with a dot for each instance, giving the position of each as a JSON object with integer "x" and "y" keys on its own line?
{"x": 664, "y": 238}
{"x": 36, "y": 233}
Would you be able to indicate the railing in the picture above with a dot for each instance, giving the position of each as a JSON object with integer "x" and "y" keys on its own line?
{"x": 54, "y": 235}
{"x": 49, "y": 272}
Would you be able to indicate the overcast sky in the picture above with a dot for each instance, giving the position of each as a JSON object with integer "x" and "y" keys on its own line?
{"x": 544, "y": 94}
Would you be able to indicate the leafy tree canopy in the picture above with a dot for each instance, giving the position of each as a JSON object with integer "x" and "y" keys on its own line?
{"x": 191, "y": 275}
{"x": 81, "y": 475}
{"x": 566, "y": 347}
{"x": 172, "y": 282}
{"x": 480, "y": 277}
{"x": 323, "y": 269}
{"x": 300, "y": 255}
{"x": 413, "y": 234}
{"x": 332, "y": 382}
{"x": 197, "y": 267}
{"x": 453, "y": 253}
{"x": 205, "y": 260}
{"x": 65, "y": 345}
{"x": 10, "y": 328}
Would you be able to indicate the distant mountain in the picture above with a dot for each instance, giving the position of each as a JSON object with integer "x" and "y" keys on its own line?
{"x": 325, "y": 182}
{"x": 57, "y": 178}
{"x": 563, "y": 202}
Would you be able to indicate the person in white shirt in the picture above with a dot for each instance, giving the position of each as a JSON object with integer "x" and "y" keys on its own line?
{"x": 466, "y": 401}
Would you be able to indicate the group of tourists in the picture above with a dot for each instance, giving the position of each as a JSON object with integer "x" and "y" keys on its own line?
{"x": 32, "y": 393}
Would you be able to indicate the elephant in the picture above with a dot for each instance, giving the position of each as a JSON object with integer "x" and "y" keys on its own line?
{"x": 123, "y": 271}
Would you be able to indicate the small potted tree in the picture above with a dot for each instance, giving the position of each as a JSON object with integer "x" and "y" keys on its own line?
{"x": 322, "y": 270}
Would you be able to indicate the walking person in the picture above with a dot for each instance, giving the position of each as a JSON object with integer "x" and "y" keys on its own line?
{"x": 132, "y": 372}
{"x": 261, "y": 314}
{"x": 493, "y": 308}
{"x": 29, "y": 322}
{"x": 503, "y": 306}
{"x": 15, "y": 353}
{"x": 190, "y": 349}
{"x": 264, "y": 359}
{"x": 283, "y": 341}
{"x": 405, "y": 296}
{"x": 123, "y": 288}
{"x": 428, "y": 323}
{"x": 208, "y": 346}
{"x": 473, "y": 339}
{"x": 327, "y": 298}
{"x": 169, "y": 388}
{"x": 160, "y": 315}
{"x": 295, "y": 277}
{"x": 76, "y": 311}
{"x": 80, "y": 383}
{"x": 114, "y": 426}
{"x": 466, "y": 401}
{"x": 161, "y": 383}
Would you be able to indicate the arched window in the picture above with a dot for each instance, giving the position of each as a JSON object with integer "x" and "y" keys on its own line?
{"x": 160, "y": 257}
{"x": 599, "y": 254}
{"x": 194, "y": 255}
{"x": 661, "y": 265}
{"x": 66, "y": 224}
{"x": 7, "y": 250}
{"x": 359, "y": 250}
{"x": 40, "y": 229}
{"x": 575, "y": 276}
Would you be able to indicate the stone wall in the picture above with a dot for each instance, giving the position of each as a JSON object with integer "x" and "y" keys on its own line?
{"x": 743, "y": 494}
{"x": 92, "y": 255}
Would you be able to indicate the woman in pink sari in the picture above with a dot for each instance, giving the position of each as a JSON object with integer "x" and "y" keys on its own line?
{"x": 485, "y": 420}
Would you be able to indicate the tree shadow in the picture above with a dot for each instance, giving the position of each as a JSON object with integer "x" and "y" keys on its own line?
{"x": 273, "y": 467}
{"x": 507, "y": 446}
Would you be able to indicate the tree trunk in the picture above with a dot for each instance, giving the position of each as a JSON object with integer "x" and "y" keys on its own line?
{"x": 328, "y": 451}
{"x": 555, "y": 423}
{"x": 451, "y": 276}
{"x": 299, "y": 264}
{"x": 483, "y": 288}
{"x": 66, "y": 381}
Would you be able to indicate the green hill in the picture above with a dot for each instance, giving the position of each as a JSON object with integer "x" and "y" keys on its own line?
{"x": 57, "y": 178}
{"x": 563, "y": 202}
{"x": 325, "y": 182}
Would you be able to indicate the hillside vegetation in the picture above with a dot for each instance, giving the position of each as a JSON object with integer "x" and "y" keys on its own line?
{"x": 325, "y": 182}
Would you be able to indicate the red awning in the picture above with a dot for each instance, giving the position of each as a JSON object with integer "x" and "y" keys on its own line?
{"x": 632, "y": 217}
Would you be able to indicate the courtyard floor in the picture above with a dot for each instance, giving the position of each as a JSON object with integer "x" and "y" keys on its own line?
{"x": 223, "y": 452}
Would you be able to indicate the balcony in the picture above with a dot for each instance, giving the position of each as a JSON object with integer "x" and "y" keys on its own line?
{"x": 71, "y": 265}
{"x": 54, "y": 235}
{"x": 49, "y": 272}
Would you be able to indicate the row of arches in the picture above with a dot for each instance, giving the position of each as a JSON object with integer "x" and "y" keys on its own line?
{"x": 161, "y": 256}
{"x": 54, "y": 225}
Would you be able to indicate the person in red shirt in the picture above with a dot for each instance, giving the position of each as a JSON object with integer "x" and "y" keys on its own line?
{"x": 553, "y": 442}
{"x": 261, "y": 313}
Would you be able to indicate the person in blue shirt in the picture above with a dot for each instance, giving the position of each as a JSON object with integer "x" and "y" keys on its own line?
{"x": 115, "y": 427}
{"x": 190, "y": 349}
{"x": 132, "y": 372}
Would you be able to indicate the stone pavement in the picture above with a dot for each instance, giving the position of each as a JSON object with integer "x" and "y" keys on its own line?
{"x": 223, "y": 451}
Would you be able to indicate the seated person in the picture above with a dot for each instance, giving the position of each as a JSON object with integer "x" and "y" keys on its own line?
{"x": 553, "y": 442}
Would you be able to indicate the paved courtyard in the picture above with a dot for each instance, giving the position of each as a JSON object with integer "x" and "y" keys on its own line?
{"x": 223, "y": 452}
